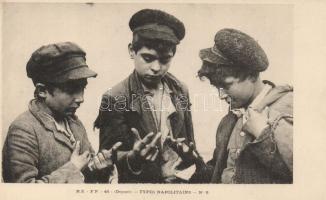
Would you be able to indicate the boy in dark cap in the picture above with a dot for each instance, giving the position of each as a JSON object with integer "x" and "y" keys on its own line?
{"x": 150, "y": 107}
{"x": 254, "y": 140}
{"x": 48, "y": 143}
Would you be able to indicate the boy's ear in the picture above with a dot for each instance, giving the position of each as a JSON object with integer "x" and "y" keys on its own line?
{"x": 41, "y": 90}
{"x": 131, "y": 51}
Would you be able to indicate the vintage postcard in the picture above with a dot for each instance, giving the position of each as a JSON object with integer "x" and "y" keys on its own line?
{"x": 161, "y": 100}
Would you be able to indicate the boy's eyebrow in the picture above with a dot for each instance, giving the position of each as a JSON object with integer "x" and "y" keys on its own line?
{"x": 166, "y": 57}
{"x": 149, "y": 55}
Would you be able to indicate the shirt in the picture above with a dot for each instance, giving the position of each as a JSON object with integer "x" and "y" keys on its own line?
{"x": 162, "y": 108}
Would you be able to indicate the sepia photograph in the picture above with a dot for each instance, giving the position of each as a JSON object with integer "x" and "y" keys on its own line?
{"x": 182, "y": 97}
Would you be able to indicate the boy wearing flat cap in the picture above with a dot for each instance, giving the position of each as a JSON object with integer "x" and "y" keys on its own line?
{"x": 254, "y": 140}
{"x": 48, "y": 143}
{"x": 149, "y": 111}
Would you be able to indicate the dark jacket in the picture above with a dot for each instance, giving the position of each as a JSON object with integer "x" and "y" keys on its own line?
{"x": 269, "y": 158}
{"x": 35, "y": 152}
{"x": 124, "y": 107}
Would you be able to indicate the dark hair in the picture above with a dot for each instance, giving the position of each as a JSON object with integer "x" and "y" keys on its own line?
{"x": 160, "y": 46}
{"x": 216, "y": 73}
{"x": 68, "y": 87}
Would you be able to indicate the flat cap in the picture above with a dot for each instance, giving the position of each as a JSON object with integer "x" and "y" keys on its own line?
{"x": 235, "y": 48}
{"x": 157, "y": 24}
{"x": 58, "y": 63}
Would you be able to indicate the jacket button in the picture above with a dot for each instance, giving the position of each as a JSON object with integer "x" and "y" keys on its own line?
{"x": 242, "y": 133}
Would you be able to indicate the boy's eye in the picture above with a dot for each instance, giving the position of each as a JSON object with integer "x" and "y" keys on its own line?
{"x": 148, "y": 58}
{"x": 165, "y": 60}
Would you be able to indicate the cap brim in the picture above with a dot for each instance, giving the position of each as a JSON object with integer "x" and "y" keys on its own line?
{"x": 77, "y": 73}
{"x": 209, "y": 56}
{"x": 159, "y": 35}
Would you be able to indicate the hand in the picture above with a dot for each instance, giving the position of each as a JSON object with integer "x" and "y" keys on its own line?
{"x": 144, "y": 150}
{"x": 187, "y": 153}
{"x": 256, "y": 122}
{"x": 105, "y": 158}
{"x": 80, "y": 160}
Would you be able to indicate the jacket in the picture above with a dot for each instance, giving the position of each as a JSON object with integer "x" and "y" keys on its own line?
{"x": 269, "y": 158}
{"x": 35, "y": 152}
{"x": 124, "y": 107}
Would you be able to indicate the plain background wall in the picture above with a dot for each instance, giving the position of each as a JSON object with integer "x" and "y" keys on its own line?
{"x": 102, "y": 31}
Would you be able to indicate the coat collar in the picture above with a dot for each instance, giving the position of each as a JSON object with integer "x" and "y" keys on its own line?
{"x": 44, "y": 115}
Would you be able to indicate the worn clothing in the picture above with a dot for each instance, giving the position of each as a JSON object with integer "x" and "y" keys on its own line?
{"x": 35, "y": 151}
{"x": 266, "y": 159}
{"x": 239, "y": 138}
{"x": 125, "y": 106}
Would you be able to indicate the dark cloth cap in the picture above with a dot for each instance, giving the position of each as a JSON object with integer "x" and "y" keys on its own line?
{"x": 235, "y": 48}
{"x": 58, "y": 63}
{"x": 157, "y": 24}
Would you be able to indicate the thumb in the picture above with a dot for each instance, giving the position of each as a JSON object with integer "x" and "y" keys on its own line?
{"x": 116, "y": 146}
{"x": 77, "y": 148}
{"x": 191, "y": 146}
{"x": 86, "y": 154}
{"x": 114, "y": 149}
{"x": 135, "y": 134}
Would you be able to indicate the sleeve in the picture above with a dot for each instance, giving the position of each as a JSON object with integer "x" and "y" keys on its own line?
{"x": 113, "y": 124}
{"x": 274, "y": 147}
{"x": 20, "y": 161}
{"x": 212, "y": 171}
{"x": 113, "y": 127}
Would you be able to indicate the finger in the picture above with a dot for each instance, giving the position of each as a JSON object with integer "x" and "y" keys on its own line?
{"x": 154, "y": 156}
{"x": 146, "y": 151}
{"x": 156, "y": 139}
{"x": 180, "y": 147}
{"x": 148, "y": 138}
{"x": 114, "y": 150}
{"x": 149, "y": 147}
{"x": 77, "y": 148}
{"x": 86, "y": 154}
{"x": 191, "y": 146}
{"x": 115, "y": 147}
{"x": 91, "y": 165}
{"x": 185, "y": 148}
{"x": 149, "y": 156}
{"x": 181, "y": 139}
{"x": 141, "y": 144}
{"x": 97, "y": 163}
{"x": 135, "y": 134}
{"x": 101, "y": 157}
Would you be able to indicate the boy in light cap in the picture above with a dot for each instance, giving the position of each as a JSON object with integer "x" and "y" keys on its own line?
{"x": 149, "y": 109}
{"x": 48, "y": 143}
{"x": 254, "y": 140}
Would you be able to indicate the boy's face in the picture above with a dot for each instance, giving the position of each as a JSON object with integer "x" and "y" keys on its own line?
{"x": 236, "y": 93}
{"x": 150, "y": 65}
{"x": 66, "y": 99}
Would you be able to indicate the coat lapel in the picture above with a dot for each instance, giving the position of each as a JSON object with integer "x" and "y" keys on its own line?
{"x": 222, "y": 139}
{"x": 177, "y": 118}
{"x": 42, "y": 114}
{"x": 140, "y": 105}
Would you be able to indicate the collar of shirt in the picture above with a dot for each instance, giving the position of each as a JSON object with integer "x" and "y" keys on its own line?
{"x": 150, "y": 93}
{"x": 63, "y": 128}
{"x": 241, "y": 111}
